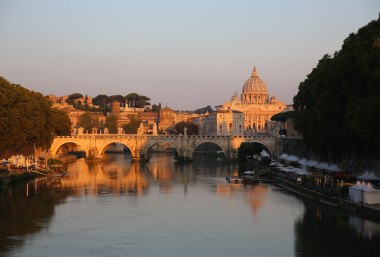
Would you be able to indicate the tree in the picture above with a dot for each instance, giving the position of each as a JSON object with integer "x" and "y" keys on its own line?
{"x": 133, "y": 125}
{"x": 24, "y": 120}
{"x": 73, "y": 97}
{"x": 192, "y": 129}
{"x": 155, "y": 108}
{"x": 111, "y": 123}
{"x": 87, "y": 122}
{"x": 118, "y": 98}
{"x": 137, "y": 101}
{"x": 61, "y": 122}
{"x": 101, "y": 100}
{"x": 337, "y": 103}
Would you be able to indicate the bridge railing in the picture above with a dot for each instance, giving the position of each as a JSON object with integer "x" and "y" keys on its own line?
{"x": 98, "y": 136}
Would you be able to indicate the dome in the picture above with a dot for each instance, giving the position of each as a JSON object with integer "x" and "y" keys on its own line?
{"x": 254, "y": 89}
{"x": 254, "y": 84}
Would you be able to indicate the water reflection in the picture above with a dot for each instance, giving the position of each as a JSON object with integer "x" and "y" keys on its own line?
{"x": 25, "y": 210}
{"x": 117, "y": 175}
{"x": 119, "y": 208}
{"x": 324, "y": 231}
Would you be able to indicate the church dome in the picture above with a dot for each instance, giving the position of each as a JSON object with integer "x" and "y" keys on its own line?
{"x": 254, "y": 89}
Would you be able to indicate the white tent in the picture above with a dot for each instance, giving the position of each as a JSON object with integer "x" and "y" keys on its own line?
{"x": 322, "y": 166}
{"x": 355, "y": 192}
{"x": 371, "y": 195}
{"x": 334, "y": 167}
{"x": 264, "y": 153}
{"x": 283, "y": 156}
{"x": 303, "y": 161}
{"x": 312, "y": 163}
{"x": 368, "y": 175}
{"x": 293, "y": 158}
{"x": 301, "y": 172}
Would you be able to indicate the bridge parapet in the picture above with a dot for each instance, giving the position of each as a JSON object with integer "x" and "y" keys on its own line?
{"x": 95, "y": 144}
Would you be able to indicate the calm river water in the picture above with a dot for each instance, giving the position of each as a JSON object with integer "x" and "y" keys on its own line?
{"x": 116, "y": 208}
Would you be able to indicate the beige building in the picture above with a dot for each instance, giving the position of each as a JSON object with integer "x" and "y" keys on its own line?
{"x": 255, "y": 103}
{"x": 166, "y": 120}
{"x": 221, "y": 123}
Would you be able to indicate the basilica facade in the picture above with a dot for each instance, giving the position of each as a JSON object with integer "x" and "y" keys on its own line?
{"x": 256, "y": 104}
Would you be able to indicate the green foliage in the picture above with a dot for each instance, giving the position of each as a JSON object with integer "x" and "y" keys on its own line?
{"x": 111, "y": 123}
{"x": 119, "y": 98}
{"x": 75, "y": 96}
{"x": 101, "y": 100}
{"x": 133, "y": 125}
{"x": 88, "y": 121}
{"x": 192, "y": 129}
{"x": 136, "y": 100}
{"x": 338, "y": 103}
{"x": 203, "y": 110}
{"x": 25, "y": 120}
{"x": 282, "y": 116}
{"x": 61, "y": 122}
{"x": 72, "y": 97}
{"x": 247, "y": 149}
{"x": 155, "y": 108}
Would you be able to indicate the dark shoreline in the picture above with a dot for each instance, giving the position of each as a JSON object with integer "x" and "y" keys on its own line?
{"x": 367, "y": 211}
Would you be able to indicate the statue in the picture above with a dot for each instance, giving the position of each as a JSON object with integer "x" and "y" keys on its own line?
{"x": 155, "y": 129}
{"x": 120, "y": 130}
{"x": 106, "y": 131}
{"x": 80, "y": 131}
{"x": 185, "y": 131}
{"x": 140, "y": 130}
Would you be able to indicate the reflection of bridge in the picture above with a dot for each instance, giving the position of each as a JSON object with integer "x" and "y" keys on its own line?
{"x": 95, "y": 144}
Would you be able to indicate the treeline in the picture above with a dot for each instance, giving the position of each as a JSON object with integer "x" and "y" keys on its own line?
{"x": 103, "y": 101}
{"x": 338, "y": 104}
{"x": 27, "y": 120}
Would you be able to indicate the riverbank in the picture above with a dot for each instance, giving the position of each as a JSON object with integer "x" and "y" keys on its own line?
{"x": 18, "y": 176}
{"x": 371, "y": 211}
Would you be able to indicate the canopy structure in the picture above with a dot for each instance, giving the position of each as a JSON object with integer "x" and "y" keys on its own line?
{"x": 264, "y": 153}
{"x": 322, "y": 166}
{"x": 368, "y": 176}
{"x": 364, "y": 193}
{"x": 303, "y": 161}
{"x": 283, "y": 156}
{"x": 334, "y": 167}
{"x": 293, "y": 158}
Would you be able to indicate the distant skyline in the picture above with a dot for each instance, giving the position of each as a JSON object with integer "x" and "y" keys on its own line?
{"x": 183, "y": 54}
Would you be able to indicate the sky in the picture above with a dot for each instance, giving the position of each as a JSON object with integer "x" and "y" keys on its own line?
{"x": 182, "y": 54}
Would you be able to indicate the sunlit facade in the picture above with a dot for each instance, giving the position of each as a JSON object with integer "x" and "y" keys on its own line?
{"x": 255, "y": 103}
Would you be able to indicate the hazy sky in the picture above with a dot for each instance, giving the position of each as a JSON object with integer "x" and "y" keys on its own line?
{"x": 184, "y": 54}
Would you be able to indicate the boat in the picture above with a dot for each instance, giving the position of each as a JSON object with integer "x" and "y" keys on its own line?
{"x": 234, "y": 179}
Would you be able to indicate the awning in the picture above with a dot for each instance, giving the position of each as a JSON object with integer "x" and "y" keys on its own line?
{"x": 322, "y": 166}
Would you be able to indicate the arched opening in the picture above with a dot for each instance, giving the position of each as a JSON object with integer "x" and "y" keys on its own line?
{"x": 70, "y": 148}
{"x": 261, "y": 151}
{"x": 158, "y": 149}
{"x": 253, "y": 156}
{"x": 209, "y": 151}
{"x": 115, "y": 151}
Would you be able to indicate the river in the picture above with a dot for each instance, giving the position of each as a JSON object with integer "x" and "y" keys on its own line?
{"x": 116, "y": 208}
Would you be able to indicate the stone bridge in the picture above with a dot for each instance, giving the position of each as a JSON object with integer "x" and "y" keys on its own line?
{"x": 95, "y": 145}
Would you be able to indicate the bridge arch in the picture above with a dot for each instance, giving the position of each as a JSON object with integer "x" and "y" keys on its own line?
{"x": 210, "y": 142}
{"x": 58, "y": 147}
{"x": 264, "y": 147}
{"x": 146, "y": 149}
{"x": 105, "y": 146}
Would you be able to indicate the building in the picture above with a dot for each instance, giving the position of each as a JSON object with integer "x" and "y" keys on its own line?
{"x": 255, "y": 103}
{"x": 227, "y": 122}
{"x": 148, "y": 119}
{"x": 166, "y": 120}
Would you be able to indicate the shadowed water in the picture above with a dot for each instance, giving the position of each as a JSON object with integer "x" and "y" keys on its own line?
{"x": 117, "y": 208}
